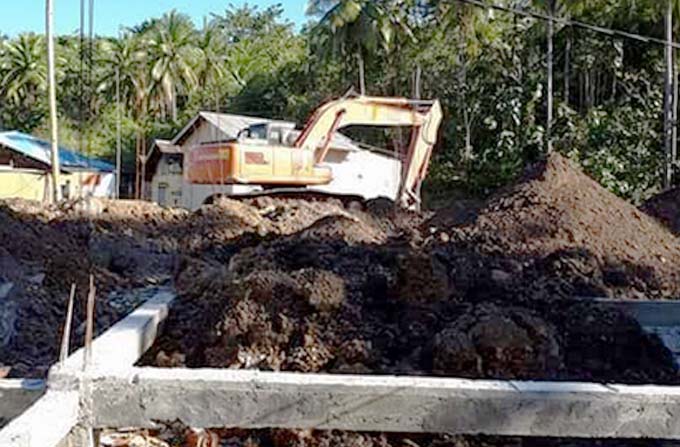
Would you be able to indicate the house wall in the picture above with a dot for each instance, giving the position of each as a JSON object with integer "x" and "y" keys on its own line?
{"x": 168, "y": 177}
{"x": 23, "y": 184}
{"x": 33, "y": 184}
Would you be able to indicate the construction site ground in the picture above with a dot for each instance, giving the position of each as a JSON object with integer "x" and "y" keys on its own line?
{"x": 177, "y": 435}
{"x": 501, "y": 290}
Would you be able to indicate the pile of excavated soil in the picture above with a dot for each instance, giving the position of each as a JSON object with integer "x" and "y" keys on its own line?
{"x": 129, "y": 245}
{"x": 665, "y": 207}
{"x": 308, "y": 283}
{"x": 310, "y": 307}
{"x": 356, "y": 291}
{"x": 568, "y": 225}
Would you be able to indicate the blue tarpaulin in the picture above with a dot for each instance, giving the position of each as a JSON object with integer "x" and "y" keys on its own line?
{"x": 39, "y": 150}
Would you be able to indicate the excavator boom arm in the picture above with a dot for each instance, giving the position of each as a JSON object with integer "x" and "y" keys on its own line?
{"x": 423, "y": 116}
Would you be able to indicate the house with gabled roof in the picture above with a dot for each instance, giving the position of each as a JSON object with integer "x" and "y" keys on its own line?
{"x": 25, "y": 168}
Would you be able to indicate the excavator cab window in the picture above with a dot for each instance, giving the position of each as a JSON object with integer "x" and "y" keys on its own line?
{"x": 257, "y": 132}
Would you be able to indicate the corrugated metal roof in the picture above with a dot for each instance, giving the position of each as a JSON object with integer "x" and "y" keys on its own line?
{"x": 39, "y": 150}
{"x": 231, "y": 125}
{"x": 166, "y": 147}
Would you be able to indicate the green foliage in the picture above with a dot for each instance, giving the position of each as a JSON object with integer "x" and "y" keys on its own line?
{"x": 487, "y": 67}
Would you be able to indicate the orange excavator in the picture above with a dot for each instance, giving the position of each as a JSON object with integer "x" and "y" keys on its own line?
{"x": 301, "y": 165}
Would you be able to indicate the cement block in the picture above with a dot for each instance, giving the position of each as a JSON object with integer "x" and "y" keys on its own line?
{"x": 248, "y": 399}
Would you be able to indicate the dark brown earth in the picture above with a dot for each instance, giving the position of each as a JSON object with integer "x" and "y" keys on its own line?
{"x": 304, "y": 284}
{"x": 493, "y": 297}
{"x": 665, "y": 207}
{"x": 316, "y": 284}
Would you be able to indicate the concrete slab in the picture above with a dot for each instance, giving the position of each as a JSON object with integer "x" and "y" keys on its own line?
{"x": 45, "y": 424}
{"x": 140, "y": 397}
{"x": 16, "y": 395}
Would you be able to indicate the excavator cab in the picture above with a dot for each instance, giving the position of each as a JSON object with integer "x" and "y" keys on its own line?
{"x": 260, "y": 156}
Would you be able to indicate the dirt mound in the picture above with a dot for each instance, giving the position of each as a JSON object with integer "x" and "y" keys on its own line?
{"x": 389, "y": 309}
{"x": 498, "y": 343}
{"x": 665, "y": 207}
{"x": 344, "y": 228}
{"x": 367, "y": 288}
{"x": 310, "y": 284}
{"x": 556, "y": 209}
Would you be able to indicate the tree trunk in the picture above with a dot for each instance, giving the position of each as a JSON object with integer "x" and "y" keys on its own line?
{"x": 668, "y": 98}
{"x": 119, "y": 161}
{"x": 462, "y": 88}
{"x": 137, "y": 172}
{"x": 548, "y": 126}
{"x": 674, "y": 112}
{"x": 567, "y": 62}
{"x": 174, "y": 104}
{"x": 362, "y": 73}
{"x": 417, "y": 79}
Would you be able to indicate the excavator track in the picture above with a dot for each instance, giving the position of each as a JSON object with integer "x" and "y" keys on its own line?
{"x": 297, "y": 194}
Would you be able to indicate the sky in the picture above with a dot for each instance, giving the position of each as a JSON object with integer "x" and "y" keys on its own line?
{"x": 29, "y": 15}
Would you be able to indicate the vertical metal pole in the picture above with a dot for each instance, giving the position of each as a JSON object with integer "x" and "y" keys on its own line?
{"x": 118, "y": 136}
{"x": 668, "y": 101}
{"x": 548, "y": 126}
{"x": 52, "y": 94}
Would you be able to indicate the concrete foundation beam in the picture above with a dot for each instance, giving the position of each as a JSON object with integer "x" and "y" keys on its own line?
{"x": 248, "y": 399}
{"x": 16, "y": 395}
{"x": 45, "y": 424}
{"x": 126, "y": 341}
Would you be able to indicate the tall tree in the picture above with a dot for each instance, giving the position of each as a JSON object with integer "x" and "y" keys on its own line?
{"x": 358, "y": 27}
{"x": 172, "y": 54}
{"x": 211, "y": 66}
{"x": 23, "y": 82}
{"x": 23, "y": 68}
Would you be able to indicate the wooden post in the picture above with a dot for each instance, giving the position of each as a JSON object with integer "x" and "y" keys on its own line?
{"x": 89, "y": 323}
{"x": 52, "y": 98}
{"x": 66, "y": 338}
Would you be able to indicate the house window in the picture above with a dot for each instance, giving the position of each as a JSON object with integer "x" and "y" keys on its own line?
{"x": 162, "y": 194}
{"x": 66, "y": 190}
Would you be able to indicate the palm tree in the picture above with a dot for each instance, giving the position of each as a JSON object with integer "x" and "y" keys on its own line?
{"x": 172, "y": 54}
{"x": 358, "y": 27}
{"x": 23, "y": 70}
{"x": 125, "y": 57}
{"x": 211, "y": 66}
